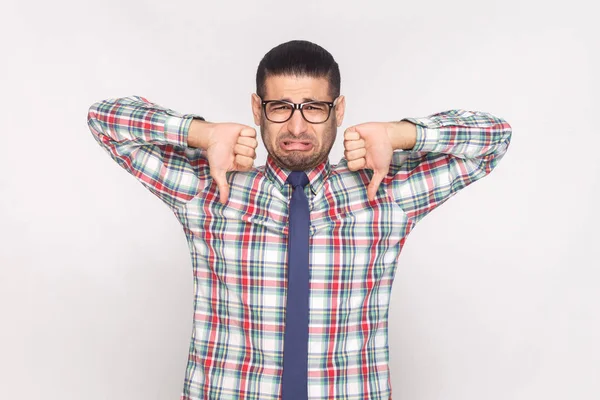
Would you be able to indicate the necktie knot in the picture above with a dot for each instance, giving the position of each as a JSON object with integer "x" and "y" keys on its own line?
{"x": 297, "y": 178}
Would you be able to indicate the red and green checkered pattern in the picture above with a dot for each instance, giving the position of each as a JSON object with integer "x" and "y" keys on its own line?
{"x": 239, "y": 251}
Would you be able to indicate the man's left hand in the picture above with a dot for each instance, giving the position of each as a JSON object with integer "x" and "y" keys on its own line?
{"x": 371, "y": 145}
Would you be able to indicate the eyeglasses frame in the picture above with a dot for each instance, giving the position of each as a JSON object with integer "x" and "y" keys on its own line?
{"x": 299, "y": 106}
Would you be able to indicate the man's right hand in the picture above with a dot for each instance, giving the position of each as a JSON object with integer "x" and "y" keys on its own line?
{"x": 229, "y": 147}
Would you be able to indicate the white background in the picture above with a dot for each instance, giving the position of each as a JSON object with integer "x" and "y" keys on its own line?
{"x": 497, "y": 291}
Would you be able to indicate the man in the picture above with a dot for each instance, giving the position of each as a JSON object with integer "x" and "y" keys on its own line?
{"x": 322, "y": 333}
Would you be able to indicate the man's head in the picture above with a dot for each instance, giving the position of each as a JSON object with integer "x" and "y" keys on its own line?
{"x": 298, "y": 71}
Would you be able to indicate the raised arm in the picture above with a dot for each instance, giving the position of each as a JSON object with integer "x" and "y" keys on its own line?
{"x": 175, "y": 156}
{"x": 453, "y": 149}
{"x": 151, "y": 143}
{"x": 443, "y": 153}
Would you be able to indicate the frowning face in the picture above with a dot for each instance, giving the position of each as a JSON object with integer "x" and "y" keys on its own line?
{"x": 297, "y": 144}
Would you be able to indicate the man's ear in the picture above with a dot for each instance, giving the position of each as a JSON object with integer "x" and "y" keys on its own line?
{"x": 340, "y": 109}
{"x": 256, "y": 108}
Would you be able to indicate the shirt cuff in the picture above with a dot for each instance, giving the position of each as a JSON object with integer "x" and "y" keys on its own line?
{"x": 427, "y": 134}
{"x": 176, "y": 128}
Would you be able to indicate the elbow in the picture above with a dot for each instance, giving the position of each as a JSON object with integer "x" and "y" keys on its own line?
{"x": 99, "y": 115}
{"x": 501, "y": 132}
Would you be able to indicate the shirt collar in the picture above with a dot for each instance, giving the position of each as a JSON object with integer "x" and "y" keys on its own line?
{"x": 316, "y": 176}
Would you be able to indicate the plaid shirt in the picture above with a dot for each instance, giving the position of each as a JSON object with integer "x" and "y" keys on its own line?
{"x": 239, "y": 253}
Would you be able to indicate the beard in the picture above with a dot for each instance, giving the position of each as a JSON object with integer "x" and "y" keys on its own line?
{"x": 297, "y": 160}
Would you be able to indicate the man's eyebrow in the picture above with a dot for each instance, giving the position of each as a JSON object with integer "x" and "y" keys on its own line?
{"x": 303, "y": 99}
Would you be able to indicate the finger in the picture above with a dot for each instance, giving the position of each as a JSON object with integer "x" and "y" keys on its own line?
{"x": 355, "y": 154}
{"x": 244, "y": 150}
{"x": 247, "y": 141}
{"x": 354, "y": 144}
{"x": 355, "y": 165}
{"x": 220, "y": 178}
{"x": 351, "y": 135}
{"x": 244, "y": 163}
{"x": 374, "y": 184}
{"x": 249, "y": 132}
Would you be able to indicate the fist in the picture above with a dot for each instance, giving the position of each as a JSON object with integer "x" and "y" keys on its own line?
{"x": 229, "y": 147}
{"x": 369, "y": 146}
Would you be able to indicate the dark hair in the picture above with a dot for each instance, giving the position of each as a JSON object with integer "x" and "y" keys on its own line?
{"x": 300, "y": 58}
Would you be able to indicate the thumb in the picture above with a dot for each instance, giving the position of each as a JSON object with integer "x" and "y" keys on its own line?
{"x": 220, "y": 178}
{"x": 374, "y": 184}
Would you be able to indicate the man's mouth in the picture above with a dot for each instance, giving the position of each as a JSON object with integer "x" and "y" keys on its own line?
{"x": 296, "y": 145}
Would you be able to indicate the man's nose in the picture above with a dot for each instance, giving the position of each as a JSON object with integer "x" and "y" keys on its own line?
{"x": 297, "y": 124}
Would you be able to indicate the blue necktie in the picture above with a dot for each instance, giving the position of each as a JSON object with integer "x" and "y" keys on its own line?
{"x": 295, "y": 342}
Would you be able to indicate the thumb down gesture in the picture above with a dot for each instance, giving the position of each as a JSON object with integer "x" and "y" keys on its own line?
{"x": 229, "y": 147}
{"x": 369, "y": 146}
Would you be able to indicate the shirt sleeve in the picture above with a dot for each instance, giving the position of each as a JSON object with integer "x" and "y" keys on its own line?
{"x": 150, "y": 142}
{"x": 454, "y": 148}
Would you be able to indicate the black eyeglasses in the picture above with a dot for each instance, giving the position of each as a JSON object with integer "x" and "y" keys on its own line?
{"x": 315, "y": 112}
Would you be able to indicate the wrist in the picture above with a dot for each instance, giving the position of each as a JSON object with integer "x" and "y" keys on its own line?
{"x": 402, "y": 134}
{"x": 199, "y": 133}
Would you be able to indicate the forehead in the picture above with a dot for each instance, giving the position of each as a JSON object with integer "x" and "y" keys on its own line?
{"x": 296, "y": 88}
